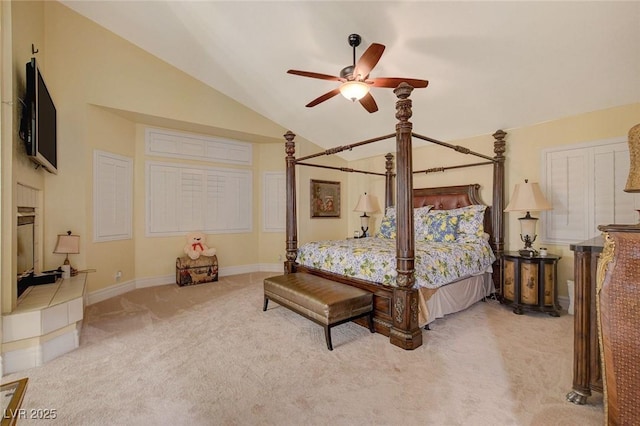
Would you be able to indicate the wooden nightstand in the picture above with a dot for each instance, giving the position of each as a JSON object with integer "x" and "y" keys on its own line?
{"x": 531, "y": 283}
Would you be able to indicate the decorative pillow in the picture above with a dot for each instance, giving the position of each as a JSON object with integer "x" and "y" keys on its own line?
{"x": 441, "y": 227}
{"x": 420, "y": 215}
{"x": 470, "y": 221}
{"x": 388, "y": 224}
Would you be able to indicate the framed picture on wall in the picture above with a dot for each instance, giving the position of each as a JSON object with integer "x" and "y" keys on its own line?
{"x": 325, "y": 198}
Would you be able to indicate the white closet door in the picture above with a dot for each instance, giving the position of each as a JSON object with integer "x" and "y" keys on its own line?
{"x": 585, "y": 184}
{"x": 568, "y": 195}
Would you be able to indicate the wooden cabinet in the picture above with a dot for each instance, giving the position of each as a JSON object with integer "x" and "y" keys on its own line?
{"x": 531, "y": 283}
{"x": 617, "y": 296}
{"x": 587, "y": 375}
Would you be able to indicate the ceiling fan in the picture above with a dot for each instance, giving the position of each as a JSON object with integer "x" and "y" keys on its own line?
{"x": 354, "y": 78}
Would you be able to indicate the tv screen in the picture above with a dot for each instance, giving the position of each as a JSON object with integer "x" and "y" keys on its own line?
{"x": 38, "y": 127}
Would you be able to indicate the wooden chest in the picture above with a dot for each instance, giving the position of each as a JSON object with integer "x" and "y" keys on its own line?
{"x": 202, "y": 270}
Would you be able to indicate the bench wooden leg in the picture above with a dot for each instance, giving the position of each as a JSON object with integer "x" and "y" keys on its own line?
{"x": 327, "y": 335}
{"x": 266, "y": 302}
{"x": 371, "y": 327}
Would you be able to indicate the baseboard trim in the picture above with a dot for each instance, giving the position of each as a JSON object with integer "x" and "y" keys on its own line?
{"x": 272, "y": 267}
{"x": 119, "y": 289}
{"x": 564, "y": 302}
{"x": 109, "y": 292}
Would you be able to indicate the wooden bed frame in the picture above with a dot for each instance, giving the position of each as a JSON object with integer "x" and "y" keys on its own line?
{"x": 396, "y": 308}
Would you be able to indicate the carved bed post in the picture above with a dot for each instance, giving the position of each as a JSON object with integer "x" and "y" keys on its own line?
{"x": 497, "y": 212}
{"x": 405, "y": 331}
{"x": 292, "y": 223}
{"x": 388, "y": 181}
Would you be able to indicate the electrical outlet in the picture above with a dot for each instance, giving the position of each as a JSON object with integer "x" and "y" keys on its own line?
{"x": 118, "y": 275}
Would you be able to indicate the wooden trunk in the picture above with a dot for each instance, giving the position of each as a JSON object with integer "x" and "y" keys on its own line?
{"x": 199, "y": 271}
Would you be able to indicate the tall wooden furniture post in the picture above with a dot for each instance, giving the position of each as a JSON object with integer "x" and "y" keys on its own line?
{"x": 587, "y": 376}
{"x": 405, "y": 331}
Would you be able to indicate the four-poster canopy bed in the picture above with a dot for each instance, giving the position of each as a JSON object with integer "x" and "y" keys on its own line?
{"x": 400, "y": 300}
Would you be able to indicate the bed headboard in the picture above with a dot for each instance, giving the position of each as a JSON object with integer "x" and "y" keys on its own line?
{"x": 452, "y": 197}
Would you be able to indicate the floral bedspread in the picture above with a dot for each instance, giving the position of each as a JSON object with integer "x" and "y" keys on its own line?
{"x": 374, "y": 259}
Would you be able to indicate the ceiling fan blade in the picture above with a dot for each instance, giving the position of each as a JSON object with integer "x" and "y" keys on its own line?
{"x": 368, "y": 60}
{"x": 369, "y": 103}
{"x": 323, "y": 98}
{"x": 315, "y": 75}
{"x": 393, "y": 82}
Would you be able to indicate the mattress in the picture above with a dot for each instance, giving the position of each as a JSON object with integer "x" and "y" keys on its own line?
{"x": 374, "y": 259}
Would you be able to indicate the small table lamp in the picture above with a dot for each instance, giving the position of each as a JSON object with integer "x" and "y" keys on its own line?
{"x": 68, "y": 244}
{"x": 366, "y": 204}
{"x": 527, "y": 197}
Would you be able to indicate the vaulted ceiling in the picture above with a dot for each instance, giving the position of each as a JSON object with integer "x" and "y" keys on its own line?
{"x": 490, "y": 65}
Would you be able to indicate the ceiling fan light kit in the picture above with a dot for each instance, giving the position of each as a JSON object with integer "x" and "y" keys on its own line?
{"x": 355, "y": 82}
{"x": 354, "y": 90}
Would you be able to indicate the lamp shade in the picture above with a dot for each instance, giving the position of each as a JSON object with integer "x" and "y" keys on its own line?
{"x": 68, "y": 244}
{"x": 354, "y": 90}
{"x": 367, "y": 204}
{"x": 527, "y": 197}
{"x": 633, "y": 181}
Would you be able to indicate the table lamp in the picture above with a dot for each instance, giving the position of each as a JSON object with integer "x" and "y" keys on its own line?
{"x": 527, "y": 197}
{"x": 68, "y": 244}
{"x": 366, "y": 204}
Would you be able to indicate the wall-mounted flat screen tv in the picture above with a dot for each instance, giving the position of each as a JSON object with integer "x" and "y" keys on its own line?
{"x": 38, "y": 127}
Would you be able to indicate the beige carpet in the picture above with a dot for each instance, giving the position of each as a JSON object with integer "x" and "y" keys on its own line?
{"x": 208, "y": 355}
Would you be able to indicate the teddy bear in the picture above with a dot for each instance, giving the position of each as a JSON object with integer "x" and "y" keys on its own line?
{"x": 196, "y": 247}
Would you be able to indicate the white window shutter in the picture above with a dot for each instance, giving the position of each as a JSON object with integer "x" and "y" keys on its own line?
{"x": 113, "y": 206}
{"x": 162, "y": 199}
{"x": 192, "y": 200}
{"x": 183, "y": 198}
{"x": 172, "y": 144}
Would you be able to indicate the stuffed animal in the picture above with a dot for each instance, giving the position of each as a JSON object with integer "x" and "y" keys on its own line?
{"x": 196, "y": 247}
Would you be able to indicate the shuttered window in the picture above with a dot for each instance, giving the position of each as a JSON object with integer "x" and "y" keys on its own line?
{"x": 585, "y": 185}
{"x": 172, "y": 144}
{"x": 112, "y": 191}
{"x": 184, "y": 198}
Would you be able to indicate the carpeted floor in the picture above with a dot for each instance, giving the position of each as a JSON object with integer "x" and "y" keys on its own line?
{"x": 208, "y": 355}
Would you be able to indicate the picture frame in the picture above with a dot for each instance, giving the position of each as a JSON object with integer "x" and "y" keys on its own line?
{"x": 325, "y": 198}
{"x": 12, "y": 395}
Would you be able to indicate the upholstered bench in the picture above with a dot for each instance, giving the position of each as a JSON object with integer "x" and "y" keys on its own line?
{"x": 323, "y": 301}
